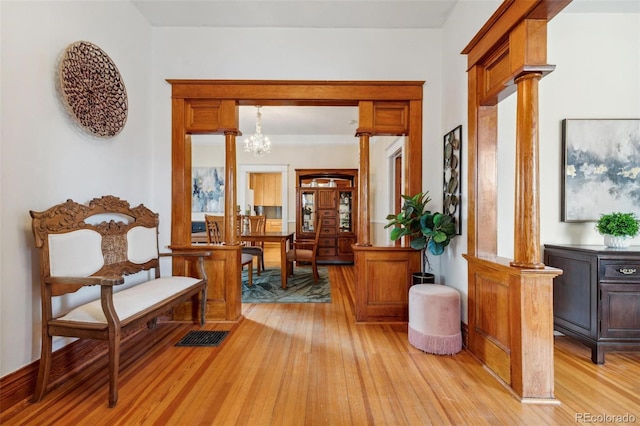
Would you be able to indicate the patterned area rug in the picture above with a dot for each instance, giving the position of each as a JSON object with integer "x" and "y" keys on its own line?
{"x": 267, "y": 288}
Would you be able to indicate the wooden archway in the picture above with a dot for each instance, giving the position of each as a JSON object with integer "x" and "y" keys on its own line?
{"x": 211, "y": 107}
{"x": 510, "y": 325}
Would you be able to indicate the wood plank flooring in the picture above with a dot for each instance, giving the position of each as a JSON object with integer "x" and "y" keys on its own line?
{"x": 311, "y": 364}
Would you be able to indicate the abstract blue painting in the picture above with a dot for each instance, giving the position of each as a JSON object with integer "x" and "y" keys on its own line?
{"x": 207, "y": 189}
{"x": 601, "y": 160}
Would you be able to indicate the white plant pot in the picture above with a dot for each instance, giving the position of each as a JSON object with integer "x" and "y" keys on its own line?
{"x": 616, "y": 242}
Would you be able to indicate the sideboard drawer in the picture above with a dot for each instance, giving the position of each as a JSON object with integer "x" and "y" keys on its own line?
{"x": 326, "y": 251}
{"x": 620, "y": 270}
{"x": 328, "y": 221}
{"x": 329, "y": 230}
{"x": 327, "y": 213}
{"x": 327, "y": 242}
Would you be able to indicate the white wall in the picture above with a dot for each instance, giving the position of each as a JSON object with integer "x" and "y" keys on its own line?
{"x": 283, "y": 54}
{"x": 45, "y": 158}
{"x": 595, "y": 77}
{"x": 465, "y": 21}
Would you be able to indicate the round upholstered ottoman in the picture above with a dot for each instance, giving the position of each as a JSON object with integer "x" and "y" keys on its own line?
{"x": 434, "y": 319}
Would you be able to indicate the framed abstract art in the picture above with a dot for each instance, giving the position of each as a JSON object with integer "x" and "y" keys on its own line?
{"x": 601, "y": 168}
{"x": 207, "y": 190}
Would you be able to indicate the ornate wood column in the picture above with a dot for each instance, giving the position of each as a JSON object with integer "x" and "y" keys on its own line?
{"x": 230, "y": 184}
{"x": 527, "y": 209}
{"x": 364, "y": 227}
{"x": 510, "y": 301}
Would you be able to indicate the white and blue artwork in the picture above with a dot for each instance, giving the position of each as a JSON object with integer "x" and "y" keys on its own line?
{"x": 601, "y": 168}
{"x": 207, "y": 189}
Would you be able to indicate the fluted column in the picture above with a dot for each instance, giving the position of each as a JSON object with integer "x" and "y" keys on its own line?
{"x": 527, "y": 205}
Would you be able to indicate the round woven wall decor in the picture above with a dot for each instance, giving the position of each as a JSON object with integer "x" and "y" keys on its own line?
{"x": 93, "y": 90}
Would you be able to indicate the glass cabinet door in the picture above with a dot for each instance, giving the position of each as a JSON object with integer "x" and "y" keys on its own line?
{"x": 308, "y": 213}
{"x": 345, "y": 206}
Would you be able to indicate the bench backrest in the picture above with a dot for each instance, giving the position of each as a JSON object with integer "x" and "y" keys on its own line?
{"x": 72, "y": 245}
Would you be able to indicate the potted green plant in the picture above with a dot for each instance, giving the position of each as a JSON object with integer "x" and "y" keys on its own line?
{"x": 617, "y": 228}
{"x": 428, "y": 231}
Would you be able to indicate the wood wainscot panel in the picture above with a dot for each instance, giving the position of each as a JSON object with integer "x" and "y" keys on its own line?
{"x": 491, "y": 334}
{"x": 224, "y": 296}
{"x": 383, "y": 278}
{"x": 511, "y": 324}
{"x": 202, "y": 115}
{"x": 391, "y": 117}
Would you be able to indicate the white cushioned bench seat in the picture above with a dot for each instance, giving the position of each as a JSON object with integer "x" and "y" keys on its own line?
{"x": 132, "y": 300}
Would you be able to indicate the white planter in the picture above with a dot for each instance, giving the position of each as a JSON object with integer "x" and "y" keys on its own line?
{"x": 616, "y": 242}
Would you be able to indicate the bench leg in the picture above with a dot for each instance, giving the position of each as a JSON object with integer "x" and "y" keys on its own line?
{"x": 203, "y": 305}
{"x": 114, "y": 365}
{"x": 43, "y": 369}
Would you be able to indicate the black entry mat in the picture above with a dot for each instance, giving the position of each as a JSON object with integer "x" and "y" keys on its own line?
{"x": 203, "y": 338}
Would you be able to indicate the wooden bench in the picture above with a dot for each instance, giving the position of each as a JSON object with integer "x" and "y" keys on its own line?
{"x": 98, "y": 245}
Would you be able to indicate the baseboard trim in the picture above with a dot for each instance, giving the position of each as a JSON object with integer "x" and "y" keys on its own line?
{"x": 18, "y": 387}
{"x": 465, "y": 334}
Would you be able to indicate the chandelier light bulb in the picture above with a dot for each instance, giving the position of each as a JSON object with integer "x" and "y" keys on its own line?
{"x": 258, "y": 144}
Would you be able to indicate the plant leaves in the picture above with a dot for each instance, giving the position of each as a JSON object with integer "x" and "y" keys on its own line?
{"x": 419, "y": 243}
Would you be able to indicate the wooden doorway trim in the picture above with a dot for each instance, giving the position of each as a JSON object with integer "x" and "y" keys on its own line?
{"x": 510, "y": 301}
{"x": 211, "y": 107}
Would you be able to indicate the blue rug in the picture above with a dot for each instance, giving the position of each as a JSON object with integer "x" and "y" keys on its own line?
{"x": 267, "y": 288}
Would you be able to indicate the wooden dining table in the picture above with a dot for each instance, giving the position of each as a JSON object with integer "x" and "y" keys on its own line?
{"x": 284, "y": 238}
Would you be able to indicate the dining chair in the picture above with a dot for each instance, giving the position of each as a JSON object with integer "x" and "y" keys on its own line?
{"x": 257, "y": 224}
{"x": 214, "y": 225}
{"x": 305, "y": 250}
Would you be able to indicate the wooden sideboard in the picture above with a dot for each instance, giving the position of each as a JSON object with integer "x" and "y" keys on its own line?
{"x": 330, "y": 196}
{"x": 597, "y": 298}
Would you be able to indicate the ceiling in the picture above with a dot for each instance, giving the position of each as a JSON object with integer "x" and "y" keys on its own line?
{"x": 378, "y": 14}
{"x": 297, "y": 13}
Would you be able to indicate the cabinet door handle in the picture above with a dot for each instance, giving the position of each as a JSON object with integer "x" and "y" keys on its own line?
{"x": 627, "y": 271}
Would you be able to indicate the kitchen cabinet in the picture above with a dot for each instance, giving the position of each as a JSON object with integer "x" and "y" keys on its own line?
{"x": 267, "y": 189}
{"x": 273, "y": 225}
{"x": 330, "y": 196}
{"x": 597, "y": 298}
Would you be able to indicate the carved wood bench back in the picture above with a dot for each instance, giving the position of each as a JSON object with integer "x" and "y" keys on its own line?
{"x": 72, "y": 244}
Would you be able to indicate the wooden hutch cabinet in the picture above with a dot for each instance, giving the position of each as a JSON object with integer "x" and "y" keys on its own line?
{"x": 597, "y": 298}
{"x": 330, "y": 196}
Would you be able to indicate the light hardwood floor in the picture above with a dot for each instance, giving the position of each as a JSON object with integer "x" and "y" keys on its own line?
{"x": 311, "y": 364}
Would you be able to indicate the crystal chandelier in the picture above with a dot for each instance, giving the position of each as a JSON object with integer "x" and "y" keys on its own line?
{"x": 258, "y": 144}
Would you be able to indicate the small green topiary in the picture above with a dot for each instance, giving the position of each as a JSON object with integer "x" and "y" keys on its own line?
{"x": 618, "y": 224}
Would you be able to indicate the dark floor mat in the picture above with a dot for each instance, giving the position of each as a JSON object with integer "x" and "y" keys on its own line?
{"x": 203, "y": 338}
